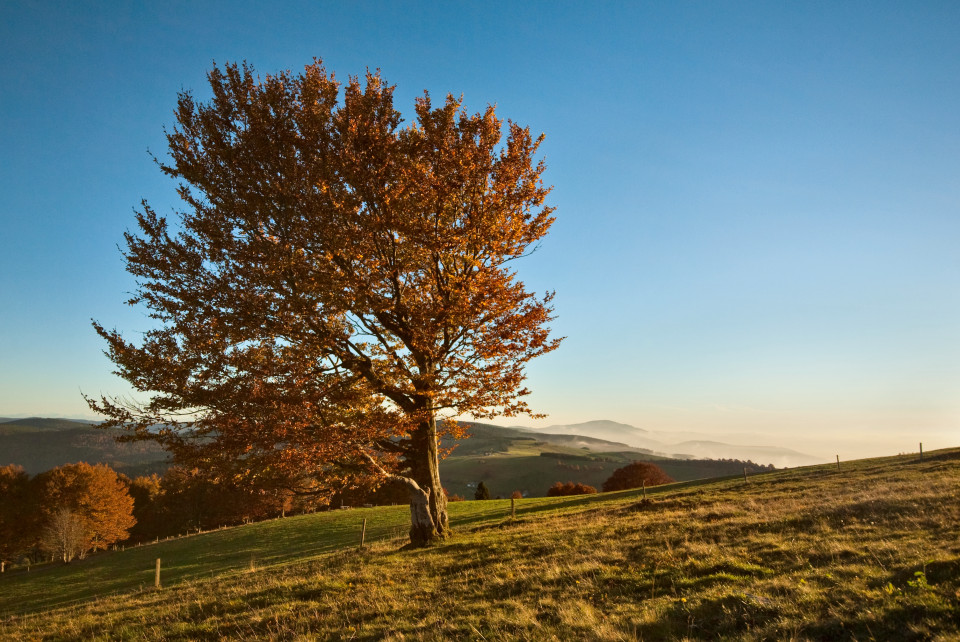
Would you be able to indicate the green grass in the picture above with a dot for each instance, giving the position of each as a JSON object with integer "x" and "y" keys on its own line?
{"x": 869, "y": 552}
{"x": 235, "y": 550}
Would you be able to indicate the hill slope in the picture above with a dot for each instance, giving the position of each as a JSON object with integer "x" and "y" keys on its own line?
{"x": 869, "y": 551}
{"x": 40, "y": 444}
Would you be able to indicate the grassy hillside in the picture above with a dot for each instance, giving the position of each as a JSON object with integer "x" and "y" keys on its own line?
{"x": 868, "y": 552}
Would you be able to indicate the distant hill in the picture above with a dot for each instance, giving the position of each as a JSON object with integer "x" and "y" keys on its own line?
{"x": 486, "y": 439}
{"x": 510, "y": 459}
{"x": 505, "y": 459}
{"x": 700, "y": 446}
{"x": 39, "y": 424}
{"x": 39, "y": 444}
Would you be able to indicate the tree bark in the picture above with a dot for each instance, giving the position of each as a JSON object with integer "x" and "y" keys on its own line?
{"x": 423, "y": 529}
{"x": 428, "y": 503}
{"x": 425, "y": 469}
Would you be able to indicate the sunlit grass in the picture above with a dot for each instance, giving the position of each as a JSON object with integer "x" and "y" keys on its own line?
{"x": 872, "y": 551}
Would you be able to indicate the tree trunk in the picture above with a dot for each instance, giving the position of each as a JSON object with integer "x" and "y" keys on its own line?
{"x": 428, "y": 503}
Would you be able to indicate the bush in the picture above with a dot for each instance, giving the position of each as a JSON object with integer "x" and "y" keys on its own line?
{"x": 634, "y": 475}
{"x": 560, "y": 489}
{"x": 482, "y": 492}
{"x": 516, "y": 495}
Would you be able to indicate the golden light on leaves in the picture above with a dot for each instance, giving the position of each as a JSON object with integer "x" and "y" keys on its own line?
{"x": 337, "y": 282}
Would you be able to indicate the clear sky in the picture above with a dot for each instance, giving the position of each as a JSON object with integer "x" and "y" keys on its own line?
{"x": 758, "y": 203}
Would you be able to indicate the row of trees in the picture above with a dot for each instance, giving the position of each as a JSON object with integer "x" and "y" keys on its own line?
{"x": 75, "y": 509}
{"x": 65, "y": 513}
{"x": 70, "y": 511}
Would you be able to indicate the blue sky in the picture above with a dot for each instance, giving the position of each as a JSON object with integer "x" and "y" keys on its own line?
{"x": 758, "y": 203}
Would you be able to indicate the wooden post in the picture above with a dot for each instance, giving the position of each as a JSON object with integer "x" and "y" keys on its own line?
{"x": 513, "y": 508}
{"x": 838, "y": 462}
{"x": 921, "y": 451}
{"x": 643, "y": 485}
{"x": 363, "y": 532}
{"x": 156, "y": 575}
{"x": 744, "y": 474}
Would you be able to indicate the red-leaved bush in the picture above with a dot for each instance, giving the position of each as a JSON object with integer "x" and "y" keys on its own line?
{"x": 560, "y": 489}
{"x": 634, "y": 475}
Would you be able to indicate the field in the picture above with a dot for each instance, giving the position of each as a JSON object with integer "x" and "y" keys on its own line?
{"x": 871, "y": 551}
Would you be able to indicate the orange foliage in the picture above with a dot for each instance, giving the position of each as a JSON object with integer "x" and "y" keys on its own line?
{"x": 94, "y": 495}
{"x": 635, "y": 475}
{"x": 337, "y": 284}
{"x": 560, "y": 489}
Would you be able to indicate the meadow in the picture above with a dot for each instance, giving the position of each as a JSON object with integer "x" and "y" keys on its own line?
{"x": 869, "y": 551}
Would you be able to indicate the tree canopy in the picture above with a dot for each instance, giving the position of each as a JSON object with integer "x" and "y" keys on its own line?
{"x": 635, "y": 475}
{"x": 86, "y": 507}
{"x": 337, "y": 283}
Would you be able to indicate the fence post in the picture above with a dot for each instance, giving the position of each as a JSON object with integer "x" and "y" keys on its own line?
{"x": 838, "y": 462}
{"x": 643, "y": 485}
{"x": 921, "y": 451}
{"x": 744, "y": 473}
{"x": 156, "y": 575}
{"x": 513, "y": 508}
{"x": 363, "y": 532}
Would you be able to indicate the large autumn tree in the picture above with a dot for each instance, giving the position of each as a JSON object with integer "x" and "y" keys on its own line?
{"x": 84, "y": 508}
{"x": 337, "y": 284}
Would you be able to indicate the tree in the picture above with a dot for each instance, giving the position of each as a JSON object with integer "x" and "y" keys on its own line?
{"x": 95, "y": 498}
{"x": 193, "y": 499}
{"x": 482, "y": 492}
{"x": 148, "y": 508}
{"x": 18, "y": 518}
{"x": 635, "y": 475}
{"x": 65, "y": 535}
{"x": 338, "y": 286}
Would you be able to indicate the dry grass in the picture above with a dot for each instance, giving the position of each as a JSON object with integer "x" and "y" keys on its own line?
{"x": 871, "y": 552}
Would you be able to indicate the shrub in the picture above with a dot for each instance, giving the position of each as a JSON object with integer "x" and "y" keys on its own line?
{"x": 560, "y": 489}
{"x": 482, "y": 492}
{"x": 516, "y": 495}
{"x": 634, "y": 475}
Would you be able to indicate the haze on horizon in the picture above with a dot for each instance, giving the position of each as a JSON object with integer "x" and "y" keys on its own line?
{"x": 758, "y": 205}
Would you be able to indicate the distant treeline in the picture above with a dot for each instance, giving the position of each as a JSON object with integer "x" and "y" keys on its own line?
{"x": 734, "y": 465}
{"x": 72, "y": 510}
